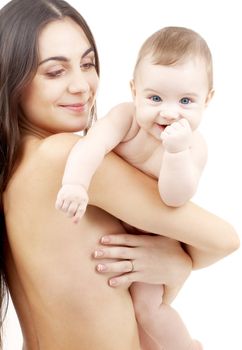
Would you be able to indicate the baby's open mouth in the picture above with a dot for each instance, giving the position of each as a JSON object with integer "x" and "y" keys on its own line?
{"x": 162, "y": 126}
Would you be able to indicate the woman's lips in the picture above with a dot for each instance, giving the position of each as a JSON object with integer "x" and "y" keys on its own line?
{"x": 75, "y": 107}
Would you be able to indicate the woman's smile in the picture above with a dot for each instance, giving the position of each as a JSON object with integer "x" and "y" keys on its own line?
{"x": 75, "y": 107}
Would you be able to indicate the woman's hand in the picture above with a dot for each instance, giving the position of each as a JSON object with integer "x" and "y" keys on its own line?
{"x": 144, "y": 258}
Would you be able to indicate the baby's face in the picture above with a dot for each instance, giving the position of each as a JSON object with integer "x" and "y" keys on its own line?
{"x": 165, "y": 94}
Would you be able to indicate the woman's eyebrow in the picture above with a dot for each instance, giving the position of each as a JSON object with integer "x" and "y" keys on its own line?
{"x": 55, "y": 58}
{"x": 65, "y": 59}
{"x": 87, "y": 52}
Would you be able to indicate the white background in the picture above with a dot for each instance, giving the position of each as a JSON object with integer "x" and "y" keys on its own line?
{"x": 210, "y": 303}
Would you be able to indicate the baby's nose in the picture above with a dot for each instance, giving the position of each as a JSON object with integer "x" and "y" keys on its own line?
{"x": 169, "y": 115}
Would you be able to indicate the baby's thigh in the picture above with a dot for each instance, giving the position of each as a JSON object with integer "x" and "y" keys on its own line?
{"x": 146, "y": 297}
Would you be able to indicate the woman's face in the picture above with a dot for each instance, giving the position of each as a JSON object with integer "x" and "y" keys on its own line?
{"x": 63, "y": 91}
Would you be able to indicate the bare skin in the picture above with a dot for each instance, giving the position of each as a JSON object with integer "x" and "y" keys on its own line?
{"x": 56, "y": 272}
{"x": 61, "y": 300}
{"x": 157, "y": 133}
{"x": 55, "y": 278}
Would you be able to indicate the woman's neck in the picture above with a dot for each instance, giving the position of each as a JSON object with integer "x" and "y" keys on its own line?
{"x": 28, "y": 129}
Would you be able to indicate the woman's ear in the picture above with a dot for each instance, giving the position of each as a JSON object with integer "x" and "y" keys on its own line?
{"x": 209, "y": 97}
{"x": 132, "y": 87}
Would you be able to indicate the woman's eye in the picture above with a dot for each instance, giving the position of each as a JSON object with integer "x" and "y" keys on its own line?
{"x": 155, "y": 98}
{"x": 87, "y": 66}
{"x": 185, "y": 101}
{"x": 55, "y": 74}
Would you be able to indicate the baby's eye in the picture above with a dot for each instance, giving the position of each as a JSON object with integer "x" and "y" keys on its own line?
{"x": 155, "y": 98}
{"x": 185, "y": 100}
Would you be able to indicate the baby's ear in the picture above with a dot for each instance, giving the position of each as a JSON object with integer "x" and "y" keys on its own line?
{"x": 209, "y": 97}
{"x": 132, "y": 87}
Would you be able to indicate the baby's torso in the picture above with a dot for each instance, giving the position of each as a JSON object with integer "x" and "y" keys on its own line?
{"x": 143, "y": 151}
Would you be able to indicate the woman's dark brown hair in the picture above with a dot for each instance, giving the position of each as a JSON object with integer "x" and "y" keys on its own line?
{"x": 20, "y": 24}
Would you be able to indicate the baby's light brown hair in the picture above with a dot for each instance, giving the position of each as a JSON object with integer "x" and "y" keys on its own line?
{"x": 173, "y": 45}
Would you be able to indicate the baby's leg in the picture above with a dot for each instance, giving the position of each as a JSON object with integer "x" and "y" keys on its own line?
{"x": 146, "y": 342}
{"x": 159, "y": 321}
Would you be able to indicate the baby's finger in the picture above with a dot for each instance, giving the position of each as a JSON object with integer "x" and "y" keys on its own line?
{"x": 62, "y": 204}
{"x": 65, "y": 205}
{"x": 72, "y": 209}
{"x": 164, "y": 135}
{"x": 59, "y": 203}
{"x": 79, "y": 214}
{"x": 175, "y": 126}
{"x": 184, "y": 123}
{"x": 115, "y": 253}
{"x": 167, "y": 130}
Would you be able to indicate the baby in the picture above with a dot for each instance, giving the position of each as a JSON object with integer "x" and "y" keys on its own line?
{"x": 157, "y": 133}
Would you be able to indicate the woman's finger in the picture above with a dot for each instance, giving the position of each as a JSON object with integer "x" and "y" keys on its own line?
{"x": 123, "y": 280}
{"x": 115, "y": 253}
{"x": 124, "y": 239}
{"x": 118, "y": 267}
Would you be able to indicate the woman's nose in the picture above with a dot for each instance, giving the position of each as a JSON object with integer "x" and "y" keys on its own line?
{"x": 78, "y": 83}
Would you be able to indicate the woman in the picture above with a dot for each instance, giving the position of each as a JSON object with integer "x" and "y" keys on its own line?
{"x": 49, "y": 77}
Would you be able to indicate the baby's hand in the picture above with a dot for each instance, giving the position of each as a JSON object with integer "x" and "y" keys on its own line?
{"x": 73, "y": 200}
{"x": 177, "y": 136}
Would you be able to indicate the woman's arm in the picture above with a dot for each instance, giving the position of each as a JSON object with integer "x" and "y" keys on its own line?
{"x": 133, "y": 197}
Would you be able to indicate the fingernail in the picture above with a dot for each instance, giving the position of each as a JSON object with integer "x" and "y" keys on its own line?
{"x": 101, "y": 267}
{"x": 113, "y": 282}
{"x": 105, "y": 239}
{"x": 98, "y": 253}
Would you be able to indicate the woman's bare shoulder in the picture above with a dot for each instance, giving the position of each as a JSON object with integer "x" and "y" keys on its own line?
{"x": 54, "y": 151}
{"x": 46, "y": 159}
{"x": 57, "y": 147}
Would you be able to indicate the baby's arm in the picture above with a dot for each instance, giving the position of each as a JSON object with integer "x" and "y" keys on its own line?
{"x": 87, "y": 155}
{"x": 185, "y": 155}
